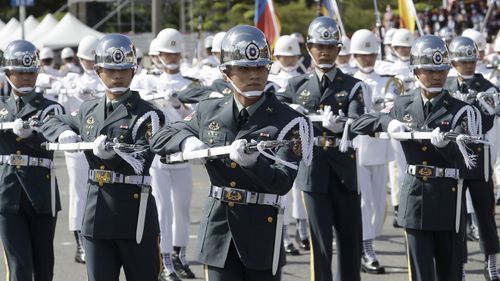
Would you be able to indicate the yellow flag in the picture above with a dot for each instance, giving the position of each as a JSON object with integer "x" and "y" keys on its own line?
{"x": 406, "y": 18}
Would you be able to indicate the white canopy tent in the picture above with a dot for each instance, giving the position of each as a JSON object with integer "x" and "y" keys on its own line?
{"x": 67, "y": 33}
{"x": 48, "y": 23}
{"x": 10, "y": 27}
{"x": 30, "y": 24}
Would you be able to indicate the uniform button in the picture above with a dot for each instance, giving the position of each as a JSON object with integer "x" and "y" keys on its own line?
{"x": 424, "y": 178}
{"x": 47, "y": 176}
{"x": 233, "y": 165}
{"x": 325, "y": 147}
{"x": 352, "y": 156}
{"x": 342, "y": 181}
{"x": 230, "y": 204}
{"x": 324, "y": 133}
{"x": 425, "y": 162}
{"x": 424, "y": 148}
{"x": 88, "y": 132}
{"x": 136, "y": 195}
{"x": 479, "y": 149}
{"x": 340, "y": 104}
{"x": 232, "y": 184}
{"x": 18, "y": 152}
{"x": 211, "y": 141}
{"x": 269, "y": 219}
{"x": 18, "y": 139}
{"x": 102, "y": 167}
{"x": 453, "y": 189}
{"x": 122, "y": 137}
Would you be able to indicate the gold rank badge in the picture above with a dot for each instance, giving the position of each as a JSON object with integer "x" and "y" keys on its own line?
{"x": 90, "y": 120}
{"x": 214, "y": 126}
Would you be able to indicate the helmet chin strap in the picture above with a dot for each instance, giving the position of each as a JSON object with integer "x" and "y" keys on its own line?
{"x": 20, "y": 90}
{"x": 288, "y": 68}
{"x": 247, "y": 94}
{"x": 432, "y": 90}
{"x": 465, "y": 77}
{"x": 364, "y": 69}
{"x": 169, "y": 66}
{"x": 321, "y": 65}
{"x": 114, "y": 90}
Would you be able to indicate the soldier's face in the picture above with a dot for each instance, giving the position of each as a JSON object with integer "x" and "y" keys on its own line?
{"x": 343, "y": 59}
{"x": 324, "y": 54}
{"x": 249, "y": 78}
{"x": 87, "y": 65}
{"x": 366, "y": 60}
{"x": 465, "y": 67}
{"x": 115, "y": 78}
{"x": 403, "y": 51}
{"x": 22, "y": 79}
{"x": 170, "y": 58}
{"x": 288, "y": 61}
{"x": 432, "y": 78}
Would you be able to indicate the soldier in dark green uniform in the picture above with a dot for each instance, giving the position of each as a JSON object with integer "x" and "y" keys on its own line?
{"x": 238, "y": 230}
{"x": 463, "y": 56}
{"x": 431, "y": 205}
{"x": 120, "y": 226}
{"x": 329, "y": 185}
{"x": 29, "y": 199}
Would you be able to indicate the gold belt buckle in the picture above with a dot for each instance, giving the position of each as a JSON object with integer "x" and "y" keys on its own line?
{"x": 16, "y": 160}
{"x": 237, "y": 196}
{"x": 103, "y": 176}
{"x": 424, "y": 171}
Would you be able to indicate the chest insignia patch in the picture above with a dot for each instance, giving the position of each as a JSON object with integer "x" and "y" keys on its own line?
{"x": 4, "y": 111}
{"x": 407, "y": 118}
{"x": 214, "y": 126}
{"x": 304, "y": 96}
{"x": 226, "y": 91}
{"x": 90, "y": 120}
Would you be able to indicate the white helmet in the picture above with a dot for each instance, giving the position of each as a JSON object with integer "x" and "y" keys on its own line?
{"x": 86, "y": 48}
{"x": 388, "y": 36}
{"x": 346, "y": 46}
{"x": 477, "y": 37}
{"x": 46, "y": 53}
{"x": 402, "y": 38}
{"x": 208, "y": 41}
{"x": 364, "y": 42}
{"x": 217, "y": 42}
{"x": 153, "y": 48}
{"x": 496, "y": 48}
{"x": 169, "y": 40}
{"x": 286, "y": 45}
{"x": 138, "y": 53}
{"x": 67, "y": 53}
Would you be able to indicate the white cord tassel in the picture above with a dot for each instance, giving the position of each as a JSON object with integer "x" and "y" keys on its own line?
{"x": 469, "y": 159}
{"x": 134, "y": 159}
{"x": 344, "y": 142}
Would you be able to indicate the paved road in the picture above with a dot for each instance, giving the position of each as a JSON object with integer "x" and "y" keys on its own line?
{"x": 390, "y": 247}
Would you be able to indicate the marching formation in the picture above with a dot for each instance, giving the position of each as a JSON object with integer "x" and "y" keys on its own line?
{"x": 300, "y": 153}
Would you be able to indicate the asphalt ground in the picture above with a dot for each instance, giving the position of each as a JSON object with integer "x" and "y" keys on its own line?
{"x": 390, "y": 246}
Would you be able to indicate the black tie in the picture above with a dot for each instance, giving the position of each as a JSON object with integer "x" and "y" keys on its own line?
{"x": 427, "y": 109}
{"x": 109, "y": 109}
{"x": 19, "y": 104}
{"x": 242, "y": 118}
{"x": 463, "y": 88}
{"x": 325, "y": 82}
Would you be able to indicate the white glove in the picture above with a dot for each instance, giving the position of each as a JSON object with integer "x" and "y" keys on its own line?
{"x": 20, "y": 131}
{"x": 68, "y": 136}
{"x": 396, "y": 126}
{"x": 215, "y": 95}
{"x": 237, "y": 154}
{"x": 297, "y": 107}
{"x": 193, "y": 143}
{"x": 332, "y": 122}
{"x": 99, "y": 148}
{"x": 437, "y": 138}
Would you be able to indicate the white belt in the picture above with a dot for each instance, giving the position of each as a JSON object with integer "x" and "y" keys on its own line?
{"x": 25, "y": 160}
{"x": 432, "y": 171}
{"x": 241, "y": 196}
{"x": 106, "y": 176}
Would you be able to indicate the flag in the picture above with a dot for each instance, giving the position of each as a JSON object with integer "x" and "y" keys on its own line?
{"x": 326, "y": 8}
{"x": 329, "y": 8}
{"x": 266, "y": 19}
{"x": 406, "y": 18}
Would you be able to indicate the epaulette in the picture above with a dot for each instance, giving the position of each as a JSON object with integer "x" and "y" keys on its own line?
{"x": 191, "y": 78}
